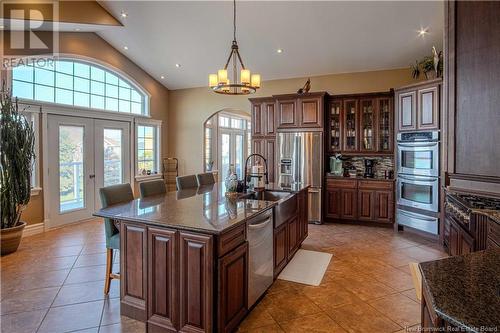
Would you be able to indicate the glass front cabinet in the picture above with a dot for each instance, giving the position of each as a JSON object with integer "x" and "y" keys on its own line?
{"x": 361, "y": 124}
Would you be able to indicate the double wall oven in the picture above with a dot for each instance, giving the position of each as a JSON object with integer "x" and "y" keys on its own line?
{"x": 417, "y": 188}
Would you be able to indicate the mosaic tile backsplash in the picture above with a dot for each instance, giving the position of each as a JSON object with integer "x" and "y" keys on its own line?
{"x": 382, "y": 164}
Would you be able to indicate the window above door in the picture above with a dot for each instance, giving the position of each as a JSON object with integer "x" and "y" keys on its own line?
{"x": 78, "y": 83}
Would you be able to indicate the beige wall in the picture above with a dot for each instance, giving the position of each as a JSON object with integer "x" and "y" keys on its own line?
{"x": 189, "y": 108}
{"x": 92, "y": 46}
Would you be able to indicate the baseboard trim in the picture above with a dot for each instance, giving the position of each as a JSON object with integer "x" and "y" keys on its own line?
{"x": 33, "y": 229}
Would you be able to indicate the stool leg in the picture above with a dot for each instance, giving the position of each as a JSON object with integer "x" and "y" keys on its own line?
{"x": 109, "y": 265}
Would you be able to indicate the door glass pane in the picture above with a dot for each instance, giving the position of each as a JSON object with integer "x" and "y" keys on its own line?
{"x": 225, "y": 157}
{"x": 113, "y": 168}
{"x": 417, "y": 159}
{"x": 417, "y": 193}
{"x": 71, "y": 168}
{"x": 238, "y": 159}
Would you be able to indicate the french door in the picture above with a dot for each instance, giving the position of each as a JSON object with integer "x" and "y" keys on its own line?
{"x": 84, "y": 155}
{"x": 232, "y": 148}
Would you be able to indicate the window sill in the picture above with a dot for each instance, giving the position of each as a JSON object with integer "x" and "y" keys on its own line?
{"x": 141, "y": 178}
{"x": 36, "y": 191}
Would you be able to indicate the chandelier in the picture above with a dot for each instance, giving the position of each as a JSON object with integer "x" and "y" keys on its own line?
{"x": 247, "y": 84}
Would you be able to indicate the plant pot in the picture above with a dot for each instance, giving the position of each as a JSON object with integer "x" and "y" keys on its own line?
{"x": 11, "y": 237}
{"x": 430, "y": 75}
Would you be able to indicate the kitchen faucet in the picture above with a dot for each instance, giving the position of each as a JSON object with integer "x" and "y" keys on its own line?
{"x": 245, "y": 187}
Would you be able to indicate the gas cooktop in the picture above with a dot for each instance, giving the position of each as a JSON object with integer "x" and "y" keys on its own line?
{"x": 476, "y": 202}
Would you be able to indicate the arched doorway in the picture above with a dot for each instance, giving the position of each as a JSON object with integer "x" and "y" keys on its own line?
{"x": 226, "y": 141}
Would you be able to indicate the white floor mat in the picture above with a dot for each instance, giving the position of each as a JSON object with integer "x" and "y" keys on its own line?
{"x": 307, "y": 267}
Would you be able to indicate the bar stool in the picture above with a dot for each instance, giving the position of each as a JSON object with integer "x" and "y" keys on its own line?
{"x": 152, "y": 187}
{"x": 186, "y": 182}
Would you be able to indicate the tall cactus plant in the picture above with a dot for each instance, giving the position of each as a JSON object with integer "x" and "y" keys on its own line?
{"x": 16, "y": 160}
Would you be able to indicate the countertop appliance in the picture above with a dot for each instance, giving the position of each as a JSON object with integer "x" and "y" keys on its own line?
{"x": 300, "y": 156}
{"x": 369, "y": 164}
{"x": 417, "y": 186}
{"x": 260, "y": 255}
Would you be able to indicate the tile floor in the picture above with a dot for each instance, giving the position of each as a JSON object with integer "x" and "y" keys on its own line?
{"x": 54, "y": 283}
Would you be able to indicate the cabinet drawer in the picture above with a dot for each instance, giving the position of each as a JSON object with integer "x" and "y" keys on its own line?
{"x": 341, "y": 183}
{"x": 231, "y": 239}
{"x": 375, "y": 185}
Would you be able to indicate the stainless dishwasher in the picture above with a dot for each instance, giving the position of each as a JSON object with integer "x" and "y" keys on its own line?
{"x": 260, "y": 255}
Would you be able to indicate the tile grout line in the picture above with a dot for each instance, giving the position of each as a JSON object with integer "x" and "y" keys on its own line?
{"x": 50, "y": 307}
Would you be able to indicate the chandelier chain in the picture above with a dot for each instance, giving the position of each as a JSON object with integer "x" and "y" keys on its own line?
{"x": 234, "y": 20}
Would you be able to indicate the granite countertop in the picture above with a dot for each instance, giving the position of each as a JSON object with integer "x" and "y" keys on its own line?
{"x": 205, "y": 209}
{"x": 465, "y": 290}
{"x": 329, "y": 175}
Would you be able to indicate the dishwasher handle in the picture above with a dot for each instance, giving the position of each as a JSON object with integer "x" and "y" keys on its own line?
{"x": 261, "y": 225}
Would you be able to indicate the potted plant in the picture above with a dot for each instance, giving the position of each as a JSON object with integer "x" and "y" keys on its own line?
{"x": 16, "y": 162}
{"x": 432, "y": 66}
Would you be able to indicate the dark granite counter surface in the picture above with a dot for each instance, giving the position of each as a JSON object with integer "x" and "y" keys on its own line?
{"x": 465, "y": 290}
{"x": 204, "y": 209}
{"x": 329, "y": 175}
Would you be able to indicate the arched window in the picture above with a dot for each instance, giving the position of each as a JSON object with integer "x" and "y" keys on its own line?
{"x": 78, "y": 83}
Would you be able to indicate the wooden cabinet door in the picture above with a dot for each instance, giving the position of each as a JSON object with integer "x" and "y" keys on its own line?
{"x": 270, "y": 118}
{"x": 280, "y": 248}
{"x": 367, "y": 128}
{"x": 233, "y": 288}
{"x": 270, "y": 155}
{"x": 385, "y": 125}
{"x": 257, "y": 120}
{"x": 311, "y": 111}
{"x": 407, "y": 110}
{"x": 196, "y": 281}
{"x": 259, "y": 147}
{"x": 366, "y": 205}
{"x": 332, "y": 203}
{"x": 163, "y": 278}
{"x": 454, "y": 246}
{"x": 348, "y": 204}
{"x": 466, "y": 243}
{"x": 428, "y": 108}
{"x": 293, "y": 236}
{"x": 384, "y": 206}
{"x": 350, "y": 124}
{"x": 333, "y": 127}
{"x": 133, "y": 277}
{"x": 287, "y": 113}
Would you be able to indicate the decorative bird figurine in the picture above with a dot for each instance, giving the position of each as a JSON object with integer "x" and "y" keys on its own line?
{"x": 305, "y": 89}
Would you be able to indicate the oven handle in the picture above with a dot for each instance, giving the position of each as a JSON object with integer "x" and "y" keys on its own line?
{"x": 417, "y": 216}
{"x": 420, "y": 178}
{"x": 418, "y": 144}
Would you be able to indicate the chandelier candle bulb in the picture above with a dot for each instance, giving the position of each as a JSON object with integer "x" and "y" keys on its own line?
{"x": 255, "y": 80}
{"x": 213, "y": 80}
{"x": 222, "y": 75}
{"x": 245, "y": 76}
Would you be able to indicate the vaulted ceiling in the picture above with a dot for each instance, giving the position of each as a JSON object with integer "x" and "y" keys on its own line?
{"x": 317, "y": 38}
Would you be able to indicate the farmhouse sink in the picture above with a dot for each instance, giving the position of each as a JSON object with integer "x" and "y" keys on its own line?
{"x": 284, "y": 210}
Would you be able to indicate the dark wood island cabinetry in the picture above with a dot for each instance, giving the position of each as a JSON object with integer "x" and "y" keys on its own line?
{"x": 185, "y": 256}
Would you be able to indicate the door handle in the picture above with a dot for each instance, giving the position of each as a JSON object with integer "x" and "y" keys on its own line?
{"x": 91, "y": 176}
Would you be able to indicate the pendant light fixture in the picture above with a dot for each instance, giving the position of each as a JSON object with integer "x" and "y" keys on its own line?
{"x": 248, "y": 83}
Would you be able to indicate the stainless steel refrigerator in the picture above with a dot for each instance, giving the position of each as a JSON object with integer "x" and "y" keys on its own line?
{"x": 300, "y": 160}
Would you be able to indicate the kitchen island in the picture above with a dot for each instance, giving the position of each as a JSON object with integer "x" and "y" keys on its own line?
{"x": 185, "y": 256}
{"x": 462, "y": 293}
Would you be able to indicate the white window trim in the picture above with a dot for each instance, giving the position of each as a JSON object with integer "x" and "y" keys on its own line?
{"x": 158, "y": 125}
{"x": 32, "y": 112}
{"x": 92, "y": 62}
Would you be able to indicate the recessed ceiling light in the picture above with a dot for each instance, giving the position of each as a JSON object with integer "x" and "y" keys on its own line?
{"x": 124, "y": 14}
{"x": 178, "y": 65}
{"x": 1, "y": 26}
{"x": 423, "y": 31}
{"x": 77, "y": 29}
{"x": 162, "y": 77}
{"x": 279, "y": 51}
{"x": 125, "y": 47}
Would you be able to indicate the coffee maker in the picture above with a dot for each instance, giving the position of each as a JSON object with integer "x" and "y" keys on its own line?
{"x": 369, "y": 164}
